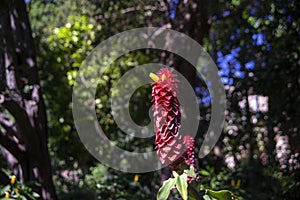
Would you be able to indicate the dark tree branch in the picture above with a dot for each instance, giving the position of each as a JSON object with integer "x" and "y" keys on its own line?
{"x": 12, "y": 132}
{"x": 130, "y": 10}
{"x": 10, "y": 143}
{"x": 10, "y": 126}
{"x": 24, "y": 123}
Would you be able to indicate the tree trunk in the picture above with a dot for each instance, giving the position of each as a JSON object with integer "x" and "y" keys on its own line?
{"x": 191, "y": 18}
{"x": 22, "y": 110}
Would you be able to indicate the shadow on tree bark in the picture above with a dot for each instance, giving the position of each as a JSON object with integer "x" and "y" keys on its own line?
{"x": 23, "y": 114}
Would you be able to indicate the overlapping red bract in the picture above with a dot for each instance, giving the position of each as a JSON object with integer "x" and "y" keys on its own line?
{"x": 166, "y": 117}
{"x": 189, "y": 155}
{"x": 169, "y": 143}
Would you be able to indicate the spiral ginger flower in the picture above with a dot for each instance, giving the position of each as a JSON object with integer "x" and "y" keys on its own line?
{"x": 172, "y": 148}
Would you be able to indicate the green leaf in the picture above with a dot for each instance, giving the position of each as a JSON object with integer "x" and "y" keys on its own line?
{"x": 165, "y": 189}
{"x": 204, "y": 172}
{"x": 5, "y": 189}
{"x": 31, "y": 196}
{"x": 175, "y": 174}
{"x": 221, "y": 195}
{"x": 181, "y": 185}
{"x": 206, "y": 197}
{"x": 36, "y": 195}
{"x": 191, "y": 198}
{"x": 191, "y": 172}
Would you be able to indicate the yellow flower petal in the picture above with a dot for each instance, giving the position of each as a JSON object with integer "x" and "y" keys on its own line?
{"x": 163, "y": 77}
{"x": 154, "y": 77}
{"x": 136, "y": 178}
{"x": 13, "y": 179}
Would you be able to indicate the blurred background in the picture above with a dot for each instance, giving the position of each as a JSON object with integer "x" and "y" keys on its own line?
{"x": 255, "y": 45}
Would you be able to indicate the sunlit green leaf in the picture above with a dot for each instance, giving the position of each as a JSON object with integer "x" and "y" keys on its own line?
{"x": 221, "y": 195}
{"x": 181, "y": 185}
{"x": 165, "y": 189}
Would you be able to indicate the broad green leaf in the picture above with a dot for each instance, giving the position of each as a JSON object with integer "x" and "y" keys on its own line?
{"x": 175, "y": 174}
{"x": 165, "y": 189}
{"x": 191, "y": 172}
{"x": 181, "y": 185}
{"x": 221, "y": 195}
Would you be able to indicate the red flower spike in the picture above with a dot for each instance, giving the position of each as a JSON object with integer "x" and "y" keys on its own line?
{"x": 189, "y": 156}
{"x": 169, "y": 143}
